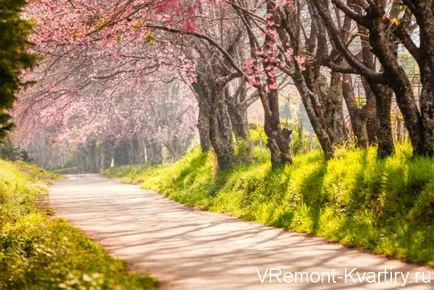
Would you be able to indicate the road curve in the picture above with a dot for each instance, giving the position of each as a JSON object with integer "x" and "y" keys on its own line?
{"x": 196, "y": 250}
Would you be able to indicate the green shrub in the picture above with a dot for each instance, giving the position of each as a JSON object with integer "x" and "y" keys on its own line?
{"x": 12, "y": 152}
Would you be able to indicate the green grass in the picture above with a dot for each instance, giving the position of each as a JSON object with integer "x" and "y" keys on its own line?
{"x": 385, "y": 206}
{"x": 40, "y": 252}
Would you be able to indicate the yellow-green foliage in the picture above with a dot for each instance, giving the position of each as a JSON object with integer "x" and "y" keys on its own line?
{"x": 39, "y": 252}
{"x": 386, "y": 206}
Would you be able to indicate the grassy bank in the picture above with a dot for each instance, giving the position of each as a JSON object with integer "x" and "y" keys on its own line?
{"x": 40, "y": 252}
{"x": 385, "y": 206}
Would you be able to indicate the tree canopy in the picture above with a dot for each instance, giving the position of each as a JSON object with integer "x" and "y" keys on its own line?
{"x": 229, "y": 54}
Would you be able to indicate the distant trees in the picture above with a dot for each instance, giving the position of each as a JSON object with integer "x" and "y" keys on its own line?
{"x": 14, "y": 57}
{"x": 126, "y": 125}
{"x": 123, "y": 106}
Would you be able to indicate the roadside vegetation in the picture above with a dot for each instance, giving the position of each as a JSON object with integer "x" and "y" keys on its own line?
{"x": 67, "y": 170}
{"x": 40, "y": 252}
{"x": 382, "y": 205}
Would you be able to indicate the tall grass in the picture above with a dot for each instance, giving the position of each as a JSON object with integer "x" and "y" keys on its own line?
{"x": 385, "y": 206}
{"x": 40, "y": 252}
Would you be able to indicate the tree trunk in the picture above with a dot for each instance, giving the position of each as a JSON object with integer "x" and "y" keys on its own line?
{"x": 328, "y": 123}
{"x": 423, "y": 11}
{"x": 318, "y": 123}
{"x": 203, "y": 119}
{"x": 278, "y": 142}
{"x": 427, "y": 80}
{"x": 121, "y": 154}
{"x": 358, "y": 122}
{"x": 398, "y": 81}
{"x": 371, "y": 113}
{"x": 157, "y": 153}
{"x": 278, "y": 138}
{"x": 108, "y": 152}
{"x": 213, "y": 104}
{"x": 240, "y": 124}
{"x": 238, "y": 114}
{"x": 220, "y": 129}
{"x": 384, "y": 127}
{"x": 333, "y": 110}
{"x": 427, "y": 108}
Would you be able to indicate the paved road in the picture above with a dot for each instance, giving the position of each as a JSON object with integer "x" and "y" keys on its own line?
{"x": 189, "y": 249}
